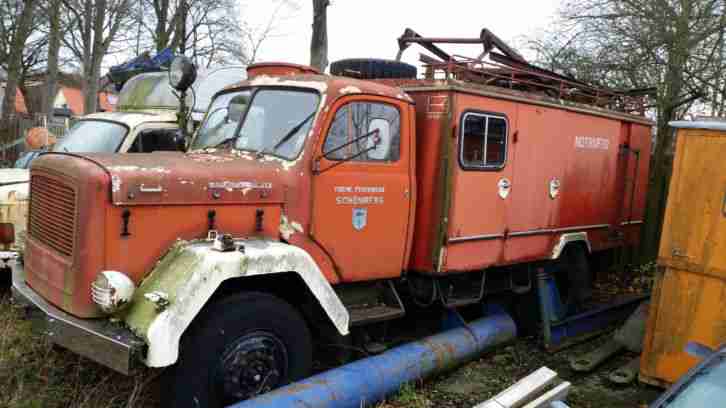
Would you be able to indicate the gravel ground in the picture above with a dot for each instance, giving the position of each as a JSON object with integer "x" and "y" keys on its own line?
{"x": 482, "y": 379}
{"x": 35, "y": 374}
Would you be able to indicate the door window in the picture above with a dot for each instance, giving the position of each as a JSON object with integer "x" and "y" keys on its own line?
{"x": 154, "y": 140}
{"x": 483, "y": 141}
{"x": 364, "y": 131}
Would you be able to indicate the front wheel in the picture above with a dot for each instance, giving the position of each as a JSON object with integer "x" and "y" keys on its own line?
{"x": 6, "y": 278}
{"x": 237, "y": 348}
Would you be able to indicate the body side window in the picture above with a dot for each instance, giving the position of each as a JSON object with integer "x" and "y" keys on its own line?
{"x": 483, "y": 141}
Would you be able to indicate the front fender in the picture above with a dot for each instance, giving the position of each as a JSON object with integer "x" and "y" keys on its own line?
{"x": 190, "y": 273}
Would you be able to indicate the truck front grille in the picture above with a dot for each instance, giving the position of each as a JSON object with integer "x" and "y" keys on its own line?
{"x": 52, "y": 213}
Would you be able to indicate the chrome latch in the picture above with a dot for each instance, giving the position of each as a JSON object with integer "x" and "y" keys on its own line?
{"x": 554, "y": 188}
{"x": 504, "y": 187}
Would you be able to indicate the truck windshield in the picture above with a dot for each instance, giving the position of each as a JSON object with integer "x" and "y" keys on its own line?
{"x": 270, "y": 121}
{"x": 92, "y": 136}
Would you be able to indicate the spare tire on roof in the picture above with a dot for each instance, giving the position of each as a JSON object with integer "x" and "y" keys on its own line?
{"x": 370, "y": 68}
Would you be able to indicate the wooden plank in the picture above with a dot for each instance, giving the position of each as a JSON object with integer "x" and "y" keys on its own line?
{"x": 522, "y": 391}
{"x": 558, "y": 393}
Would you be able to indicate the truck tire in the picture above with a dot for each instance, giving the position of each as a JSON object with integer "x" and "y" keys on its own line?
{"x": 369, "y": 68}
{"x": 238, "y": 347}
{"x": 573, "y": 278}
{"x": 6, "y": 278}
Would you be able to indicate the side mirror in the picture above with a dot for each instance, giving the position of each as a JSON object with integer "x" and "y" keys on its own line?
{"x": 182, "y": 73}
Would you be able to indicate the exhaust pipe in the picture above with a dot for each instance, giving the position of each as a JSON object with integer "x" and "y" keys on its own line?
{"x": 367, "y": 381}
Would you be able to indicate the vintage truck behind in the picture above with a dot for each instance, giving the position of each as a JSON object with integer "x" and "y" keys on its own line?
{"x": 145, "y": 121}
{"x": 311, "y": 207}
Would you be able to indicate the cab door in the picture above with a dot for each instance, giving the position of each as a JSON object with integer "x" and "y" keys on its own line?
{"x": 362, "y": 187}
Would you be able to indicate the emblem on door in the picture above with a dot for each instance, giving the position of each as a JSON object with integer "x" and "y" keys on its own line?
{"x": 504, "y": 187}
{"x": 360, "y": 218}
{"x": 554, "y": 188}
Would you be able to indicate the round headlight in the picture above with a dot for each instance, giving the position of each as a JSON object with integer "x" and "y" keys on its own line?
{"x": 182, "y": 73}
{"x": 112, "y": 290}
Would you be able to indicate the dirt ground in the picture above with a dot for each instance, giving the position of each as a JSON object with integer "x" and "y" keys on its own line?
{"x": 35, "y": 374}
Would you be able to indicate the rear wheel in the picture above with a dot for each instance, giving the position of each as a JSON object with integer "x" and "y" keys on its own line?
{"x": 573, "y": 278}
{"x": 238, "y": 348}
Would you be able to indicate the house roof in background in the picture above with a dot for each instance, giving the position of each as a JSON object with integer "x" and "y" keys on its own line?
{"x": 74, "y": 99}
{"x": 106, "y": 101}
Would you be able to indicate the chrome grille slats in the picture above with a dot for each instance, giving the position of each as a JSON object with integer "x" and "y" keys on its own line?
{"x": 52, "y": 219}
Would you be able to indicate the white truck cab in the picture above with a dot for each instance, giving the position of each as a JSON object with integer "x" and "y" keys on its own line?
{"x": 146, "y": 120}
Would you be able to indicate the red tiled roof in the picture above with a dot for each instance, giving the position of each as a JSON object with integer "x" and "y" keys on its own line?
{"x": 74, "y": 99}
{"x": 106, "y": 101}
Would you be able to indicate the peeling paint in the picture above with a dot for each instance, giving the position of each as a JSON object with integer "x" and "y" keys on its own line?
{"x": 209, "y": 158}
{"x": 115, "y": 183}
{"x": 288, "y": 229}
{"x": 121, "y": 169}
{"x": 191, "y": 272}
{"x": 265, "y": 80}
{"x": 350, "y": 89}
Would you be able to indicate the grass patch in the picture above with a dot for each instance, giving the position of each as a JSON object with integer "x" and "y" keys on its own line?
{"x": 35, "y": 374}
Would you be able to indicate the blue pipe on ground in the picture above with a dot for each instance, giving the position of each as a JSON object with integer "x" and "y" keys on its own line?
{"x": 367, "y": 381}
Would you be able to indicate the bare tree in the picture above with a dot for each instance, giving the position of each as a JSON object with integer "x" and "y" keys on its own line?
{"x": 93, "y": 26}
{"x": 319, "y": 39}
{"x": 54, "y": 43}
{"x": 18, "y": 30}
{"x": 673, "y": 44}
{"x": 209, "y": 31}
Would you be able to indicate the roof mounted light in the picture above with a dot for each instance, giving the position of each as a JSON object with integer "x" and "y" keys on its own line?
{"x": 182, "y": 73}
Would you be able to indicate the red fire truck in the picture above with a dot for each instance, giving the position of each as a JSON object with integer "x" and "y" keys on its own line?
{"x": 312, "y": 206}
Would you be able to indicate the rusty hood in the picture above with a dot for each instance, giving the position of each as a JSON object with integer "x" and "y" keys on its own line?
{"x": 193, "y": 178}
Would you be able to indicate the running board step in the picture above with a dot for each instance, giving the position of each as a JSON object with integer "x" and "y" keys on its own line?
{"x": 371, "y": 302}
{"x": 462, "y": 289}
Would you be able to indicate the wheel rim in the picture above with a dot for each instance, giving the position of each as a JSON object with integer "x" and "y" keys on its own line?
{"x": 253, "y": 364}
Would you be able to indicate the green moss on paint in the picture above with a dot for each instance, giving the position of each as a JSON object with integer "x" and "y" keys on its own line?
{"x": 175, "y": 268}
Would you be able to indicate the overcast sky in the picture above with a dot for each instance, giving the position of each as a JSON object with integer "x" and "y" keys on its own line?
{"x": 369, "y": 28}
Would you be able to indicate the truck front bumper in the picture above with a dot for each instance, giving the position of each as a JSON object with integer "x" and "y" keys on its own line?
{"x": 98, "y": 339}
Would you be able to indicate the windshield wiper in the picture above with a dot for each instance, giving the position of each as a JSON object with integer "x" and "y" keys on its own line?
{"x": 292, "y": 132}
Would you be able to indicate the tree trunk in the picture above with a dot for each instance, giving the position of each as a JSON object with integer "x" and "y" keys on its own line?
{"x": 14, "y": 70}
{"x": 54, "y": 39}
{"x": 319, "y": 40}
{"x": 161, "y": 8}
{"x": 661, "y": 165}
{"x": 181, "y": 27}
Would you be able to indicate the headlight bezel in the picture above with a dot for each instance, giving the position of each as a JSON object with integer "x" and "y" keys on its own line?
{"x": 111, "y": 291}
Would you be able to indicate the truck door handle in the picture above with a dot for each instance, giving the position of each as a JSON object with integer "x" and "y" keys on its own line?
{"x": 149, "y": 189}
{"x": 723, "y": 209}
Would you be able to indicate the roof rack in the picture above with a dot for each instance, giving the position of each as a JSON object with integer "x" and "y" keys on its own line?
{"x": 502, "y": 66}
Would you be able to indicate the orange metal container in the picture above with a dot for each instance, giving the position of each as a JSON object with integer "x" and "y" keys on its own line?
{"x": 688, "y": 302}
